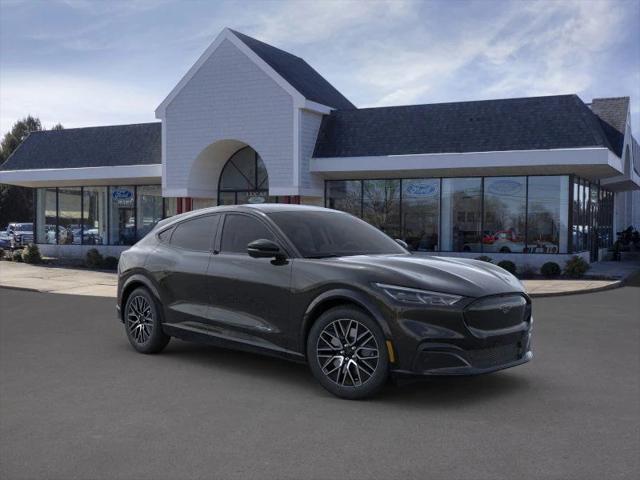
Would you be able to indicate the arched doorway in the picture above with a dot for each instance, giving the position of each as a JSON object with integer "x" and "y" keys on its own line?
{"x": 244, "y": 179}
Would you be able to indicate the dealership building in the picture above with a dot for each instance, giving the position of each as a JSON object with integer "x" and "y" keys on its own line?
{"x": 529, "y": 179}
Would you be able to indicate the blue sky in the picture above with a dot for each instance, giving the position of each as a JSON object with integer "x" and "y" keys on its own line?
{"x": 84, "y": 63}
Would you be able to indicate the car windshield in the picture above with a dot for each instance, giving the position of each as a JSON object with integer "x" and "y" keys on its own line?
{"x": 23, "y": 227}
{"x": 320, "y": 234}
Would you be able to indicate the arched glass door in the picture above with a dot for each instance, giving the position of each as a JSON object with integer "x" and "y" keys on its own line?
{"x": 244, "y": 179}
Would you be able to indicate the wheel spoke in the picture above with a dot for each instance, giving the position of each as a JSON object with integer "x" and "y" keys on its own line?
{"x": 140, "y": 319}
{"x": 361, "y": 355}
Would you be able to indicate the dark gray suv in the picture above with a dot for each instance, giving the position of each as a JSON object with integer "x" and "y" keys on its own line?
{"x": 323, "y": 287}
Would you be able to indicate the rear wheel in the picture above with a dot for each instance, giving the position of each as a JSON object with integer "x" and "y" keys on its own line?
{"x": 142, "y": 322}
{"x": 347, "y": 353}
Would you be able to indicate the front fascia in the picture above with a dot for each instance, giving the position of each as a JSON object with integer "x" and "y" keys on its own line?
{"x": 62, "y": 177}
{"x": 589, "y": 162}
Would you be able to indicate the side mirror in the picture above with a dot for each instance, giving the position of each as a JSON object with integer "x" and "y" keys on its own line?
{"x": 402, "y": 243}
{"x": 263, "y": 248}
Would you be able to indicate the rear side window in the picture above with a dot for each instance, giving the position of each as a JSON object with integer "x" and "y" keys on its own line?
{"x": 240, "y": 230}
{"x": 196, "y": 234}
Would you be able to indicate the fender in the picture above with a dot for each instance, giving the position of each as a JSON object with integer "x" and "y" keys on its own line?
{"x": 138, "y": 278}
{"x": 352, "y": 296}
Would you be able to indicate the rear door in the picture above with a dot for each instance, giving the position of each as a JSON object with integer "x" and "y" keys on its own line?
{"x": 183, "y": 280}
{"x": 250, "y": 296}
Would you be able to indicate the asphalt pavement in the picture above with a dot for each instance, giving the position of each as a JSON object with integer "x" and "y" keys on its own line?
{"x": 77, "y": 402}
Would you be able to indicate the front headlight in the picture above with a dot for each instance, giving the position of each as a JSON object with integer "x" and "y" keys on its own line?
{"x": 420, "y": 297}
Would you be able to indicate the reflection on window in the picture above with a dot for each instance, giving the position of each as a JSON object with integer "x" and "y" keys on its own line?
{"x": 94, "y": 226}
{"x": 504, "y": 214}
{"x": 461, "y": 214}
{"x": 198, "y": 203}
{"x": 149, "y": 208}
{"x": 170, "y": 207}
{"x": 381, "y": 205}
{"x": 122, "y": 222}
{"x": 345, "y": 195}
{"x": 46, "y": 215}
{"x": 421, "y": 213}
{"x": 548, "y": 214}
{"x": 69, "y": 216}
{"x": 244, "y": 179}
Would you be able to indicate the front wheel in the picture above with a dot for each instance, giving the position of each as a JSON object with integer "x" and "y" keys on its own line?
{"x": 142, "y": 322}
{"x": 347, "y": 353}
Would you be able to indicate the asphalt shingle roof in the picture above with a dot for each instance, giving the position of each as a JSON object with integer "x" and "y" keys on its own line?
{"x": 108, "y": 146}
{"x": 298, "y": 73}
{"x": 613, "y": 116}
{"x": 534, "y": 123}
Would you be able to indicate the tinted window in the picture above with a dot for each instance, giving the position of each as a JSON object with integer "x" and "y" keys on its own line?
{"x": 196, "y": 234}
{"x": 240, "y": 230}
{"x": 165, "y": 235}
{"x": 322, "y": 234}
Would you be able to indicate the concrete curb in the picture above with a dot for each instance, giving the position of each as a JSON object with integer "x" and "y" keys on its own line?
{"x": 617, "y": 284}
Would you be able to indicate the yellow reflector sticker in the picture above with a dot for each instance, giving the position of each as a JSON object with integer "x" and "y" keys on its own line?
{"x": 392, "y": 356}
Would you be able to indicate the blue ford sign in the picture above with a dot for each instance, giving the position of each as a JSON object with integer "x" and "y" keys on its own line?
{"x": 422, "y": 190}
{"x": 121, "y": 194}
{"x": 505, "y": 187}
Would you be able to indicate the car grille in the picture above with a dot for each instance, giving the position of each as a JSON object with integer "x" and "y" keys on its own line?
{"x": 27, "y": 239}
{"x": 497, "y": 312}
{"x": 494, "y": 356}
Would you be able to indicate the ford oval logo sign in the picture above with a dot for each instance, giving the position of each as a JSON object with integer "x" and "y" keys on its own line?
{"x": 122, "y": 194}
{"x": 505, "y": 187}
{"x": 422, "y": 190}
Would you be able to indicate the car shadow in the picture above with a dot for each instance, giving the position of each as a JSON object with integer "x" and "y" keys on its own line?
{"x": 441, "y": 392}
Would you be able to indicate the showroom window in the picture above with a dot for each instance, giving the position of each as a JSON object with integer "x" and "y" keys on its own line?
{"x": 505, "y": 213}
{"x": 345, "y": 195}
{"x": 69, "y": 216}
{"x": 484, "y": 215}
{"x": 381, "y": 205}
{"x": 547, "y": 218}
{"x": 122, "y": 219}
{"x": 421, "y": 213}
{"x": 46, "y": 215}
{"x": 461, "y": 214}
{"x": 94, "y": 215}
{"x": 148, "y": 208}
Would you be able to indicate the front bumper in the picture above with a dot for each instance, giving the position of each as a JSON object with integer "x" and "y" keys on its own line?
{"x": 467, "y": 341}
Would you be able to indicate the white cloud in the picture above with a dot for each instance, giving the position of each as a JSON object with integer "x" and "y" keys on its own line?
{"x": 73, "y": 101}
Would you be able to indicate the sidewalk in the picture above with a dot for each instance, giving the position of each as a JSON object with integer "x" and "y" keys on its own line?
{"x": 78, "y": 281}
{"x": 72, "y": 281}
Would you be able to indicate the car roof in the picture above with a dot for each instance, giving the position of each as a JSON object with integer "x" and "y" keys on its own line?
{"x": 262, "y": 208}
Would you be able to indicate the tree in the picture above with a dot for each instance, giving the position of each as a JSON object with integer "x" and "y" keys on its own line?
{"x": 16, "y": 203}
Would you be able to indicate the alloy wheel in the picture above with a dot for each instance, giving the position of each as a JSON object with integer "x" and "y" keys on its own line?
{"x": 139, "y": 319}
{"x": 347, "y": 352}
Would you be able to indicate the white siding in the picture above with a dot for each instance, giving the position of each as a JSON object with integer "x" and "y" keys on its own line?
{"x": 309, "y": 127}
{"x": 229, "y": 97}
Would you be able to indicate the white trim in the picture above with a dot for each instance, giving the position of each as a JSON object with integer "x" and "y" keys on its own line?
{"x": 136, "y": 174}
{"x": 227, "y": 34}
{"x": 296, "y": 146}
{"x": 316, "y": 107}
{"x": 570, "y": 157}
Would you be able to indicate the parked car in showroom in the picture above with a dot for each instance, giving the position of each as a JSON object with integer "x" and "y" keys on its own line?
{"x": 322, "y": 287}
{"x": 19, "y": 235}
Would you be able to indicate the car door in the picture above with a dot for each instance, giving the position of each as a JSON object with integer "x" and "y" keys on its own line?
{"x": 182, "y": 271}
{"x": 250, "y": 296}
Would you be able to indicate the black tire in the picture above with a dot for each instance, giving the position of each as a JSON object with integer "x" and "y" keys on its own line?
{"x": 143, "y": 322}
{"x": 324, "y": 357}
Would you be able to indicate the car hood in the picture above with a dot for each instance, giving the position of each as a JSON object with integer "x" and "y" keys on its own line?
{"x": 470, "y": 278}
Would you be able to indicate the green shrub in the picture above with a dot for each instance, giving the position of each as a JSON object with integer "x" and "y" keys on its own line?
{"x": 550, "y": 269}
{"x": 16, "y": 256}
{"x": 1, "y": 253}
{"x": 94, "y": 258}
{"x": 528, "y": 271}
{"x": 484, "y": 258}
{"x": 576, "y": 267}
{"x": 508, "y": 265}
{"x": 110, "y": 263}
{"x": 31, "y": 254}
